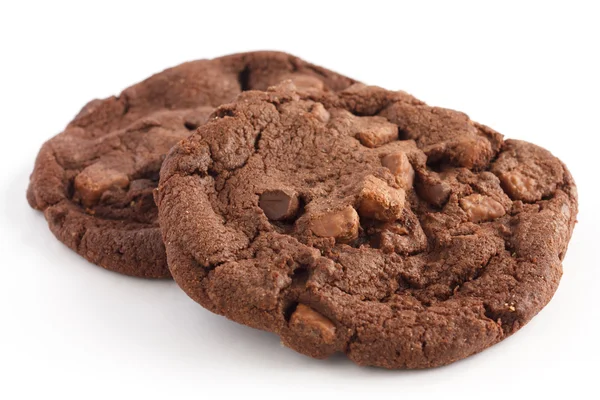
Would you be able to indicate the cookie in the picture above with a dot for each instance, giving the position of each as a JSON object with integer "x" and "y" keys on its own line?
{"x": 94, "y": 181}
{"x": 365, "y": 222}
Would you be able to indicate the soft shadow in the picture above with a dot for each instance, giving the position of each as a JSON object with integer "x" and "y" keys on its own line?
{"x": 32, "y": 228}
{"x": 194, "y": 333}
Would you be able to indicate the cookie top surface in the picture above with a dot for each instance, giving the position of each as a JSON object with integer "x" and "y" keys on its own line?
{"x": 365, "y": 222}
{"x": 94, "y": 181}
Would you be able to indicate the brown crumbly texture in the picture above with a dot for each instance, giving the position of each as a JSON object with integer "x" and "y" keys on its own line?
{"x": 280, "y": 215}
{"x": 94, "y": 181}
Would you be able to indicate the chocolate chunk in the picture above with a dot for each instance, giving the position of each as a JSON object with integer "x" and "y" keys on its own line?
{"x": 304, "y": 82}
{"x": 433, "y": 189}
{"x": 279, "y": 204}
{"x": 340, "y": 224}
{"x": 97, "y": 179}
{"x": 319, "y": 111}
{"x": 481, "y": 208}
{"x": 375, "y": 131}
{"x": 446, "y": 136}
{"x": 400, "y": 167}
{"x": 520, "y": 187}
{"x": 379, "y": 201}
{"x": 312, "y": 323}
{"x": 527, "y": 172}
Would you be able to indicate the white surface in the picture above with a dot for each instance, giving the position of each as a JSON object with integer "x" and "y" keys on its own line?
{"x": 69, "y": 328}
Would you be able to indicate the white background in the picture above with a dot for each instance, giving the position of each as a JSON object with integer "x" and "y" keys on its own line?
{"x": 71, "y": 329}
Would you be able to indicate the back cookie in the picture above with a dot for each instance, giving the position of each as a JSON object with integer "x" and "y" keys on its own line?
{"x": 94, "y": 181}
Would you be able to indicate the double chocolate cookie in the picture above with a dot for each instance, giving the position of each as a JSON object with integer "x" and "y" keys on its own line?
{"x": 365, "y": 222}
{"x": 94, "y": 181}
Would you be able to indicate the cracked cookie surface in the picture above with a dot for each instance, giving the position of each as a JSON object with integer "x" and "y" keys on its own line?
{"x": 94, "y": 181}
{"x": 365, "y": 222}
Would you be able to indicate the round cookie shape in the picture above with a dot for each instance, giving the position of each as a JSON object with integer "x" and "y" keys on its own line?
{"x": 94, "y": 181}
{"x": 364, "y": 222}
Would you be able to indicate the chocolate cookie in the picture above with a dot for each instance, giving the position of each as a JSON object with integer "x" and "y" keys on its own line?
{"x": 94, "y": 181}
{"x": 365, "y": 222}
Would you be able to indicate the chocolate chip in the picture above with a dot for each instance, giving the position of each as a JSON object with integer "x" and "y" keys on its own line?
{"x": 340, "y": 224}
{"x": 527, "y": 172}
{"x": 481, "y": 208}
{"x": 436, "y": 194}
{"x": 304, "y": 82}
{"x": 312, "y": 323}
{"x": 519, "y": 186}
{"x": 376, "y": 131}
{"x": 96, "y": 179}
{"x": 400, "y": 167}
{"x": 432, "y": 188}
{"x": 279, "y": 204}
{"x": 379, "y": 201}
{"x": 319, "y": 111}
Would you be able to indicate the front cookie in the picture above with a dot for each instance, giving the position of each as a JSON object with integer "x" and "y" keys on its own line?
{"x": 94, "y": 181}
{"x": 365, "y": 222}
